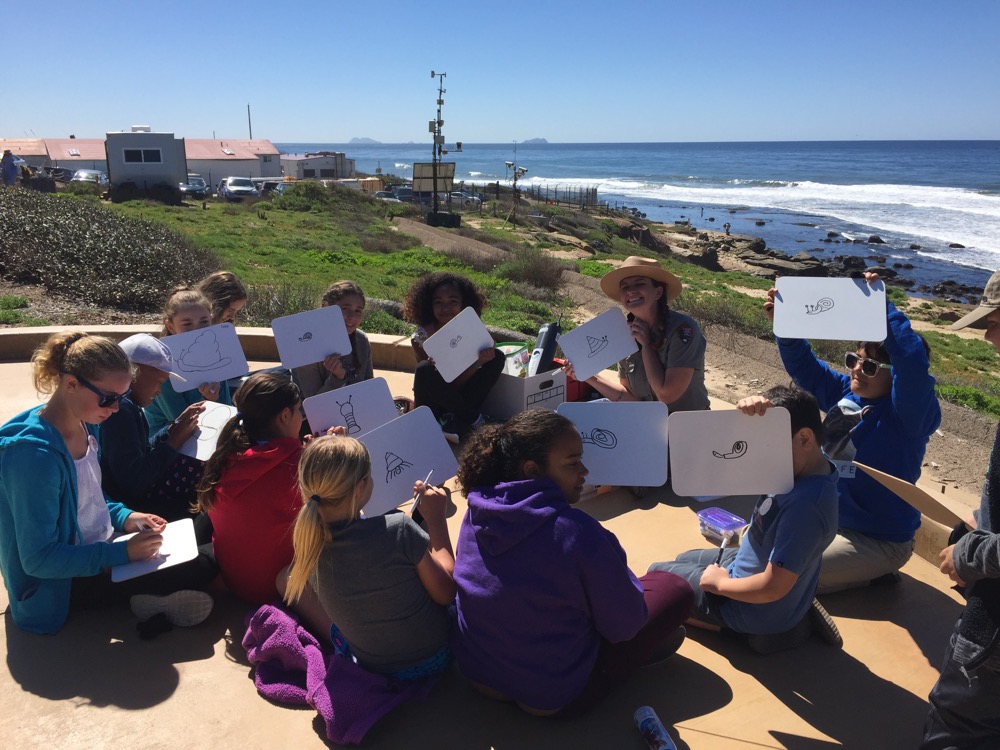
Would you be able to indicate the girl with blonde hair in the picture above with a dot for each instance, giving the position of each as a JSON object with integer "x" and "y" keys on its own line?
{"x": 379, "y": 587}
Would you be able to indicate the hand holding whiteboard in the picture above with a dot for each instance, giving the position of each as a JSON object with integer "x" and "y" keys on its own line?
{"x": 730, "y": 453}
{"x": 598, "y": 343}
{"x": 359, "y": 408}
{"x": 402, "y": 452}
{"x": 179, "y": 546}
{"x": 207, "y": 355}
{"x": 201, "y": 444}
{"x": 456, "y": 346}
{"x": 311, "y": 336}
{"x": 833, "y": 309}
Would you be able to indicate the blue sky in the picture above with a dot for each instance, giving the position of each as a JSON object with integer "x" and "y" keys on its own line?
{"x": 584, "y": 71}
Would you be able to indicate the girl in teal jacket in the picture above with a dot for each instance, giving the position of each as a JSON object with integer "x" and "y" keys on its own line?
{"x": 55, "y": 521}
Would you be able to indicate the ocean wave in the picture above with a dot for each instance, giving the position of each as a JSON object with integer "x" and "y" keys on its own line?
{"x": 401, "y": 165}
{"x": 933, "y": 214}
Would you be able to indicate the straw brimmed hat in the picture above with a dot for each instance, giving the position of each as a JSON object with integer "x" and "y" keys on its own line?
{"x": 989, "y": 303}
{"x": 636, "y": 266}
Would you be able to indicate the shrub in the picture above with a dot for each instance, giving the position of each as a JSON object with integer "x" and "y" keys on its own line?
{"x": 970, "y": 397}
{"x": 13, "y": 302}
{"x": 533, "y": 267}
{"x": 265, "y": 302}
{"x": 80, "y": 248}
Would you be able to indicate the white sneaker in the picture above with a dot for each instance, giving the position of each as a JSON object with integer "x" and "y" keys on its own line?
{"x": 182, "y": 608}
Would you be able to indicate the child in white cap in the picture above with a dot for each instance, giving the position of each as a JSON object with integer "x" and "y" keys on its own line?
{"x": 137, "y": 466}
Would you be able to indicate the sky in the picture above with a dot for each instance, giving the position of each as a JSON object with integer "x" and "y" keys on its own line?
{"x": 316, "y": 71}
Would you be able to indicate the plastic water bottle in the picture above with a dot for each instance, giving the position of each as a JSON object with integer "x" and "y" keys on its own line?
{"x": 545, "y": 349}
{"x": 652, "y": 729}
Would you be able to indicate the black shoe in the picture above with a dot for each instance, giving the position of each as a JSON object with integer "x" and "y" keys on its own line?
{"x": 668, "y": 648}
{"x": 889, "y": 579}
{"x": 449, "y": 426}
{"x": 824, "y": 626}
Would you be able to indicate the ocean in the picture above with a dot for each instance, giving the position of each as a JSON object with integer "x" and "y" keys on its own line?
{"x": 927, "y": 193}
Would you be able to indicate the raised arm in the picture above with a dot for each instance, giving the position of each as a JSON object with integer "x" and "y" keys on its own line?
{"x": 913, "y": 397}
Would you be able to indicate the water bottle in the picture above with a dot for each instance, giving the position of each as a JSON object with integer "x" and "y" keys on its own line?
{"x": 652, "y": 729}
{"x": 545, "y": 349}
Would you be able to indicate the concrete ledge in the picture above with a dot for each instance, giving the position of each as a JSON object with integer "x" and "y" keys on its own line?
{"x": 18, "y": 344}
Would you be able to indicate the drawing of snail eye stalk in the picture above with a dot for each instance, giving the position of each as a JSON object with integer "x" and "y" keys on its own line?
{"x": 347, "y": 412}
{"x": 739, "y": 449}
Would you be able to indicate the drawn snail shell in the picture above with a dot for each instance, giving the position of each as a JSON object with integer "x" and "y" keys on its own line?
{"x": 307, "y": 336}
{"x": 600, "y": 438}
{"x": 822, "y": 305}
{"x": 739, "y": 448}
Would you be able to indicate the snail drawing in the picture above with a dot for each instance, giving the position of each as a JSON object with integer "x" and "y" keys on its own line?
{"x": 454, "y": 341}
{"x": 307, "y": 336}
{"x": 600, "y": 438}
{"x": 822, "y": 305}
{"x": 394, "y": 465}
{"x": 739, "y": 449}
{"x": 347, "y": 412}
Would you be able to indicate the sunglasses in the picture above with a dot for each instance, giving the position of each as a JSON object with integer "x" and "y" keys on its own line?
{"x": 104, "y": 400}
{"x": 869, "y": 367}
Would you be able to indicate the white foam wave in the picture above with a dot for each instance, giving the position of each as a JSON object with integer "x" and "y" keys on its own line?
{"x": 401, "y": 165}
{"x": 475, "y": 174}
{"x": 936, "y": 215}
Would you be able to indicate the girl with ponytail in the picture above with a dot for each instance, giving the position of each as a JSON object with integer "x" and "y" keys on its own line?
{"x": 56, "y": 523}
{"x": 248, "y": 488}
{"x": 377, "y": 587}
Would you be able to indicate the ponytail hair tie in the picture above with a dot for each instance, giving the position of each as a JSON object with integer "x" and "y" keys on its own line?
{"x": 239, "y": 416}
{"x": 315, "y": 499}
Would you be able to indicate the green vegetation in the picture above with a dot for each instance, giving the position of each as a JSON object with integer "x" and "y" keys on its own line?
{"x": 288, "y": 249}
{"x": 76, "y": 247}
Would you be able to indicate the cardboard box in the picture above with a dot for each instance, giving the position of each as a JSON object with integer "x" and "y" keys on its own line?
{"x": 512, "y": 395}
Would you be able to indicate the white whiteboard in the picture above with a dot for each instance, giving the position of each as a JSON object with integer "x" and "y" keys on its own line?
{"x": 456, "y": 346}
{"x": 201, "y": 444}
{"x": 598, "y": 343}
{"x": 311, "y": 336}
{"x": 208, "y": 355}
{"x": 624, "y": 444}
{"x": 730, "y": 453}
{"x": 402, "y": 452}
{"x": 360, "y": 408}
{"x": 836, "y": 309}
{"x": 178, "y": 547}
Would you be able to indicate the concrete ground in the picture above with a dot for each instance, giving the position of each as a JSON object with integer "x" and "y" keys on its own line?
{"x": 97, "y": 685}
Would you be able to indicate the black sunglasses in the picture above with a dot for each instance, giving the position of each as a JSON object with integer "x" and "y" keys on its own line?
{"x": 869, "y": 367}
{"x": 104, "y": 400}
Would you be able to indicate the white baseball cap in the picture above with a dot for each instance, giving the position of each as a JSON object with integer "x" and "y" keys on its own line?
{"x": 144, "y": 349}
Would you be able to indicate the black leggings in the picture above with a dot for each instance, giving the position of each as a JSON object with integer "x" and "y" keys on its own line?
{"x": 464, "y": 401}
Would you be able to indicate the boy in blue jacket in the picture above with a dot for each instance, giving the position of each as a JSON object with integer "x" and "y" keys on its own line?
{"x": 881, "y": 413}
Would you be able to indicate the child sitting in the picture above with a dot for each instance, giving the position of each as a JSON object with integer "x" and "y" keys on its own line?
{"x": 135, "y": 468}
{"x": 766, "y": 586}
{"x": 549, "y": 614}
{"x": 226, "y": 293}
{"x": 249, "y": 487}
{"x": 379, "y": 587}
{"x": 432, "y": 301}
{"x": 344, "y": 368}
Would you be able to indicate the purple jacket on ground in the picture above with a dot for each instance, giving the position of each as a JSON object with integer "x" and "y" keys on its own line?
{"x": 539, "y": 584}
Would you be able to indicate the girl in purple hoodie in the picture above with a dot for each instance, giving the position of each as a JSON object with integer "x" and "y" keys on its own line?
{"x": 549, "y": 614}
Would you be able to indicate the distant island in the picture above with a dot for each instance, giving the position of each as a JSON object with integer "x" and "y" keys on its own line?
{"x": 363, "y": 142}
{"x": 534, "y": 141}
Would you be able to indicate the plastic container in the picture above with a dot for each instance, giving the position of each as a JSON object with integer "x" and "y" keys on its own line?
{"x": 652, "y": 729}
{"x": 716, "y": 523}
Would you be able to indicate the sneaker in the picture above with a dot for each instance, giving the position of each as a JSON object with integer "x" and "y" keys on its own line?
{"x": 639, "y": 492}
{"x": 889, "y": 579}
{"x": 824, "y": 626}
{"x": 182, "y": 608}
{"x": 449, "y": 426}
{"x": 668, "y": 648}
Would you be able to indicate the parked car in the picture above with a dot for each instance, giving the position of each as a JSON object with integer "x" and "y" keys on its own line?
{"x": 385, "y": 195}
{"x": 281, "y": 187}
{"x": 195, "y": 188}
{"x": 404, "y": 193}
{"x": 464, "y": 199}
{"x": 237, "y": 188}
{"x": 95, "y": 176}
